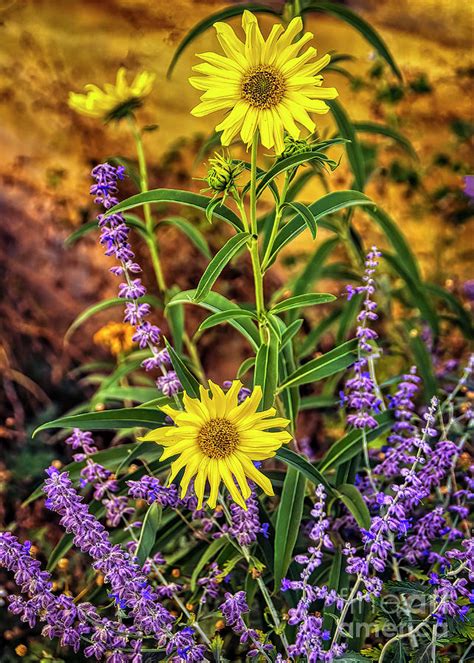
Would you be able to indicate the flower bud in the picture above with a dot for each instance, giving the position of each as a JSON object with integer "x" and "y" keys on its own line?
{"x": 223, "y": 173}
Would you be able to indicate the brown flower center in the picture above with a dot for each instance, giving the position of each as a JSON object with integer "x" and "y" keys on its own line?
{"x": 218, "y": 438}
{"x": 263, "y": 86}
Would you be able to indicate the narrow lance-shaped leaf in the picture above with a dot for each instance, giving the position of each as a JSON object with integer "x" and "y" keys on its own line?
{"x": 209, "y": 21}
{"x": 357, "y": 22}
{"x": 326, "y": 205}
{"x": 266, "y": 370}
{"x": 310, "y": 299}
{"x": 108, "y": 420}
{"x": 188, "y": 381}
{"x": 217, "y": 264}
{"x": 322, "y": 367}
{"x": 353, "y": 500}
{"x": 290, "y": 512}
{"x": 150, "y": 526}
{"x": 226, "y": 316}
{"x": 353, "y": 148}
{"x": 303, "y": 466}
{"x": 215, "y": 302}
{"x": 385, "y": 130}
{"x": 191, "y": 233}
{"x": 187, "y": 198}
{"x": 307, "y": 216}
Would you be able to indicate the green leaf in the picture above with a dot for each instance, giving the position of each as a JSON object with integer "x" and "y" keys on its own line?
{"x": 307, "y": 216}
{"x": 102, "y": 306}
{"x": 423, "y": 361}
{"x": 385, "y": 130}
{"x": 210, "y": 551}
{"x": 175, "y": 320}
{"x": 308, "y": 470}
{"x": 150, "y": 526}
{"x": 291, "y": 331}
{"x": 191, "y": 233}
{"x": 186, "y": 198}
{"x": 289, "y": 163}
{"x": 245, "y": 366}
{"x": 349, "y": 314}
{"x": 353, "y": 500}
{"x": 266, "y": 370}
{"x": 85, "y": 229}
{"x": 290, "y": 512}
{"x": 327, "y": 204}
{"x": 63, "y": 546}
{"x": 463, "y": 318}
{"x": 209, "y": 21}
{"x": 318, "y": 402}
{"x": 188, "y": 381}
{"x": 322, "y": 367}
{"x": 313, "y": 266}
{"x": 215, "y": 302}
{"x": 353, "y": 148}
{"x": 352, "y": 443}
{"x": 217, "y": 264}
{"x": 357, "y": 22}
{"x": 416, "y": 291}
{"x": 226, "y": 316}
{"x": 352, "y": 657}
{"x": 108, "y": 420}
{"x": 132, "y": 393}
{"x": 397, "y": 240}
{"x": 310, "y": 299}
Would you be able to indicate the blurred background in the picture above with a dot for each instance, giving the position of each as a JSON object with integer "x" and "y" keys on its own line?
{"x": 50, "y": 47}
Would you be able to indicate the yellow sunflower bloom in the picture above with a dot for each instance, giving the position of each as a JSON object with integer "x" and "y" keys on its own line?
{"x": 267, "y": 85}
{"x": 114, "y": 101}
{"x": 217, "y": 440}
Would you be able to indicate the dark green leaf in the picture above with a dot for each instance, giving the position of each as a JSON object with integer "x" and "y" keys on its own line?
{"x": 187, "y": 198}
{"x": 322, "y": 367}
{"x": 310, "y": 299}
{"x": 217, "y": 264}
{"x": 353, "y": 148}
{"x": 385, "y": 130}
{"x": 191, "y": 233}
{"x": 209, "y": 21}
{"x": 305, "y": 212}
{"x": 108, "y": 420}
{"x": 291, "y": 331}
{"x": 302, "y": 465}
{"x": 290, "y": 512}
{"x": 226, "y": 316}
{"x": 188, "y": 381}
{"x": 150, "y": 526}
{"x": 266, "y": 370}
{"x": 210, "y": 551}
{"x": 327, "y": 204}
{"x": 351, "y": 444}
{"x": 353, "y": 500}
{"x": 215, "y": 302}
{"x": 357, "y": 22}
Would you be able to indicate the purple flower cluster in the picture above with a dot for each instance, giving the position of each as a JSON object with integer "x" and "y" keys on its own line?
{"x": 130, "y": 587}
{"x": 401, "y": 439}
{"x": 114, "y": 236}
{"x": 245, "y": 525}
{"x": 360, "y": 393}
{"x": 63, "y": 617}
{"x": 311, "y": 637}
{"x": 233, "y": 607}
{"x": 151, "y": 490}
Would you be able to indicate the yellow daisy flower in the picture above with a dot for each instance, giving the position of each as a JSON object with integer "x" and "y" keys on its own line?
{"x": 265, "y": 84}
{"x": 217, "y": 440}
{"x": 114, "y": 101}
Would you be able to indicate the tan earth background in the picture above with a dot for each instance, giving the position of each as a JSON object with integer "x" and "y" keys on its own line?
{"x": 50, "y": 47}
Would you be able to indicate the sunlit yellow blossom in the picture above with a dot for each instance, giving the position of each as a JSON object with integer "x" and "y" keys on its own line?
{"x": 116, "y": 337}
{"x": 114, "y": 101}
{"x": 266, "y": 85}
{"x": 217, "y": 440}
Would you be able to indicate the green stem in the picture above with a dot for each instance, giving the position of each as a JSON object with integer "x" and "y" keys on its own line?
{"x": 256, "y": 266}
{"x": 155, "y": 258}
{"x": 276, "y": 224}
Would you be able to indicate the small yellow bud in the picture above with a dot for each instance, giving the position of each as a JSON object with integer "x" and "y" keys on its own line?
{"x": 57, "y": 464}
{"x": 63, "y": 564}
{"x": 175, "y": 573}
{"x": 255, "y": 573}
{"x": 21, "y": 650}
{"x": 220, "y": 624}
{"x": 190, "y": 607}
